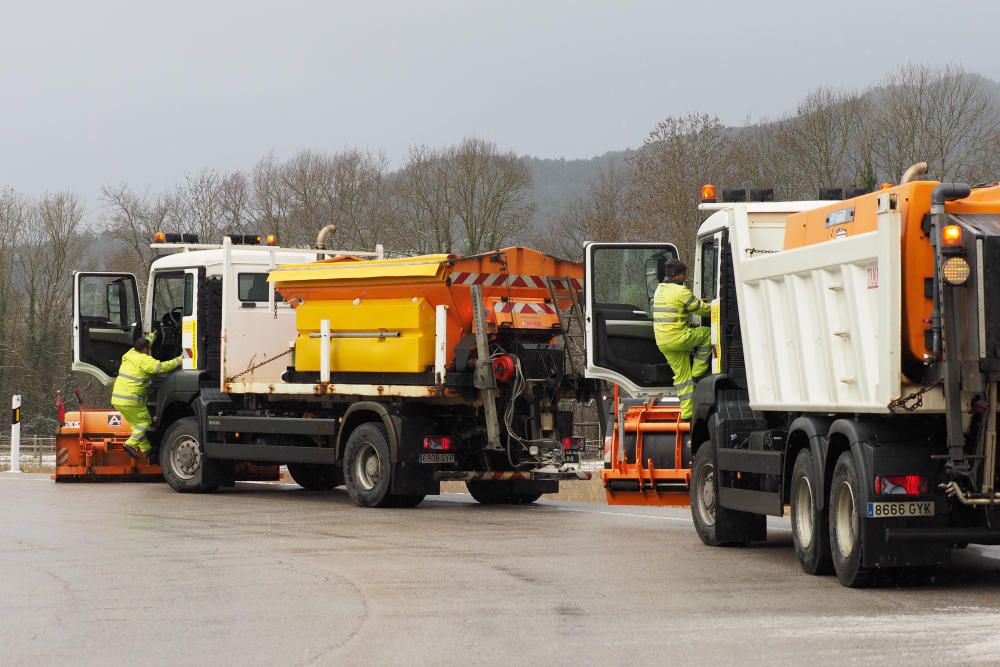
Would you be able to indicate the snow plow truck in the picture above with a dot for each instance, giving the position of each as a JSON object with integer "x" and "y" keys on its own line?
{"x": 853, "y": 382}
{"x": 383, "y": 375}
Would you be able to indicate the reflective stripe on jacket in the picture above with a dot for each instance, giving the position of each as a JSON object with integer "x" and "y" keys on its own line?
{"x": 673, "y": 305}
{"x": 135, "y": 374}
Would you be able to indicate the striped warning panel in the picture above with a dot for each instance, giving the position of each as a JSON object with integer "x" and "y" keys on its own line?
{"x": 62, "y": 456}
{"x": 532, "y": 308}
{"x": 497, "y": 476}
{"x": 504, "y": 280}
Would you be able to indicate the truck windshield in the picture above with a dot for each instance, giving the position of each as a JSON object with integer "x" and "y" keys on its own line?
{"x": 172, "y": 292}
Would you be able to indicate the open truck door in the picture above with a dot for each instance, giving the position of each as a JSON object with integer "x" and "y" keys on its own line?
{"x": 621, "y": 280}
{"x": 648, "y": 461}
{"x": 106, "y": 319}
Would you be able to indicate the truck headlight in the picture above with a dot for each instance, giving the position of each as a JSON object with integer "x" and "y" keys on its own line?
{"x": 955, "y": 271}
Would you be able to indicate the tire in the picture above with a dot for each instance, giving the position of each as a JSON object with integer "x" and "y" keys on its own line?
{"x": 846, "y": 534}
{"x": 181, "y": 458}
{"x": 316, "y": 476}
{"x": 524, "y": 498}
{"x": 490, "y": 493}
{"x": 810, "y": 533}
{"x": 408, "y": 500}
{"x": 717, "y": 526}
{"x": 368, "y": 466}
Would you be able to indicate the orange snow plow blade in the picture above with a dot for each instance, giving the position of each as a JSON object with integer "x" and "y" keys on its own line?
{"x": 649, "y": 468}
{"x": 89, "y": 448}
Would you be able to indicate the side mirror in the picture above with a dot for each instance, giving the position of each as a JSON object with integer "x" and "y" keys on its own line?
{"x": 655, "y": 270}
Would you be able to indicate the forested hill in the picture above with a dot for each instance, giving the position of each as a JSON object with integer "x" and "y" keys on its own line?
{"x": 558, "y": 182}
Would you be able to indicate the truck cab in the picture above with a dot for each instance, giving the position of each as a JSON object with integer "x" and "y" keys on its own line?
{"x": 184, "y": 307}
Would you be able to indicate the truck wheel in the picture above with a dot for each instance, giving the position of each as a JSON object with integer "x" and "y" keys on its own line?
{"x": 810, "y": 533}
{"x": 717, "y": 526}
{"x": 407, "y": 500}
{"x": 846, "y": 536}
{"x": 490, "y": 493}
{"x": 524, "y": 498}
{"x": 316, "y": 476}
{"x": 703, "y": 495}
{"x": 181, "y": 458}
{"x": 367, "y": 467}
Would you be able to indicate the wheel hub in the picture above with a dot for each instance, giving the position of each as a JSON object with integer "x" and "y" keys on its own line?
{"x": 847, "y": 520}
{"x": 368, "y": 469}
{"x": 186, "y": 458}
{"x": 706, "y": 495}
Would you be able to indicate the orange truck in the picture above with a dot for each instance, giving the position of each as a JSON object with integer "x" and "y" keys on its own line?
{"x": 387, "y": 376}
{"x": 854, "y": 380}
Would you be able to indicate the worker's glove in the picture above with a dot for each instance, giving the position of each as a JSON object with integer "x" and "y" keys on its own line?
{"x": 180, "y": 359}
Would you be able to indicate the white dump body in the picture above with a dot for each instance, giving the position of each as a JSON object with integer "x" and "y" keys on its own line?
{"x": 821, "y": 323}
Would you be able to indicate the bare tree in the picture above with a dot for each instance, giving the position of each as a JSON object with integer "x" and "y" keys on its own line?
{"x": 605, "y": 213}
{"x": 678, "y": 157}
{"x": 944, "y": 116}
{"x": 489, "y": 191}
{"x": 424, "y": 189}
{"x": 50, "y": 248}
{"x": 467, "y": 198}
{"x": 132, "y": 218}
{"x": 270, "y": 203}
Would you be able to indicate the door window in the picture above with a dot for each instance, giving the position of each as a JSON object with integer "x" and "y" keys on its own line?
{"x": 623, "y": 275}
{"x": 253, "y": 287}
{"x": 709, "y": 269}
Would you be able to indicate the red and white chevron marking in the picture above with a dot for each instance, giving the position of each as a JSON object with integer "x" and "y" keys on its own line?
{"x": 529, "y": 308}
{"x": 475, "y": 475}
{"x": 504, "y": 280}
{"x": 62, "y": 456}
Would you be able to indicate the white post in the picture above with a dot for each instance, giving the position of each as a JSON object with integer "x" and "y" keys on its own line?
{"x": 440, "y": 342}
{"x": 15, "y": 434}
{"x": 324, "y": 351}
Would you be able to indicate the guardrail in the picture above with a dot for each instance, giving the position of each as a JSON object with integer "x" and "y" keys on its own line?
{"x": 36, "y": 450}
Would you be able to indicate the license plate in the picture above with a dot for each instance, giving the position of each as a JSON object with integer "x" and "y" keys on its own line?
{"x": 437, "y": 458}
{"x": 889, "y": 510}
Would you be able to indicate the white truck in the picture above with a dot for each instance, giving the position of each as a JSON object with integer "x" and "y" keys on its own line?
{"x": 386, "y": 376}
{"x": 857, "y": 351}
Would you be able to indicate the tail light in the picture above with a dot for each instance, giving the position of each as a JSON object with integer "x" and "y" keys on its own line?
{"x": 900, "y": 485}
{"x": 439, "y": 443}
{"x": 573, "y": 443}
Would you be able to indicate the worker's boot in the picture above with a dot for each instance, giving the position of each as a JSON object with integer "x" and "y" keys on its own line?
{"x": 132, "y": 451}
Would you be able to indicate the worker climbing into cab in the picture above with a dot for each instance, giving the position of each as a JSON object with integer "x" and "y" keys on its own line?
{"x": 129, "y": 393}
{"x": 673, "y": 306}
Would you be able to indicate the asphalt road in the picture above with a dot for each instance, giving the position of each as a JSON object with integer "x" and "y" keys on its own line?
{"x": 271, "y": 574}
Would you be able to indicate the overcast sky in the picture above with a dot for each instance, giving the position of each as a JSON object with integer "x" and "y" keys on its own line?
{"x": 95, "y": 92}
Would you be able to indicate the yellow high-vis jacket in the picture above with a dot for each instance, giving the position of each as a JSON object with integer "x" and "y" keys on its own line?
{"x": 673, "y": 305}
{"x": 135, "y": 374}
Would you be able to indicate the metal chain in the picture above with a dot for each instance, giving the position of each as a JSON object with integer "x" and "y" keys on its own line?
{"x": 266, "y": 361}
{"x": 916, "y": 397}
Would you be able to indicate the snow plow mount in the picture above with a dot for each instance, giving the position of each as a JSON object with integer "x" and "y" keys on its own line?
{"x": 633, "y": 477}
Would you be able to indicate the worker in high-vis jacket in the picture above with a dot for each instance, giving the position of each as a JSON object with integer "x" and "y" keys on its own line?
{"x": 673, "y": 306}
{"x": 129, "y": 393}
